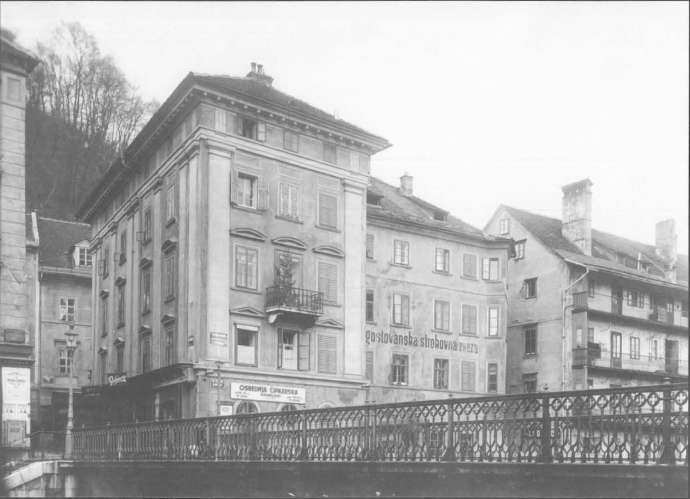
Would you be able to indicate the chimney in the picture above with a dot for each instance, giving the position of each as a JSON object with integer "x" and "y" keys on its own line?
{"x": 666, "y": 242}
{"x": 576, "y": 225}
{"x": 406, "y": 184}
{"x": 257, "y": 74}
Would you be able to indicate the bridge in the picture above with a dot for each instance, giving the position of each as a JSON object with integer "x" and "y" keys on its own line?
{"x": 625, "y": 442}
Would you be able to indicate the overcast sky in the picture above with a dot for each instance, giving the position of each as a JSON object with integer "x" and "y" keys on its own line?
{"x": 484, "y": 103}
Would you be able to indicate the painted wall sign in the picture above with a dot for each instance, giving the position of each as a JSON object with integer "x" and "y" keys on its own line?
{"x": 225, "y": 410}
{"x": 431, "y": 342}
{"x": 267, "y": 393}
{"x": 219, "y": 338}
{"x": 117, "y": 379}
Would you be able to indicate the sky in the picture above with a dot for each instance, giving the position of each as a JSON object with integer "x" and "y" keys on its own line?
{"x": 484, "y": 103}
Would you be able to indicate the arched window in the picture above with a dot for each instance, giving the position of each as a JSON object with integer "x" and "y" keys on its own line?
{"x": 246, "y": 408}
{"x": 288, "y": 408}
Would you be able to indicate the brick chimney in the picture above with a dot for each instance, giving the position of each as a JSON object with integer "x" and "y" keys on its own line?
{"x": 666, "y": 242}
{"x": 576, "y": 225}
{"x": 257, "y": 74}
{"x": 406, "y": 184}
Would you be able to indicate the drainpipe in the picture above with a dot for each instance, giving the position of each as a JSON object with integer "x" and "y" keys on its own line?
{"x": 563, "y": 342}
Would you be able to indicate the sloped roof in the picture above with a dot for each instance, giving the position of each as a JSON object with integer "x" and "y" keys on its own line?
{"x": 548, "y": 231}
{"x": 395, "y": 206}
{"x": 9, "y": 47}
{"x": 56, "y": 238}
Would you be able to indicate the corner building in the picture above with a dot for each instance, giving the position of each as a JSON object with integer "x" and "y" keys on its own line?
{"x": 228, "y": 253}
{"x": 436, "y": 307}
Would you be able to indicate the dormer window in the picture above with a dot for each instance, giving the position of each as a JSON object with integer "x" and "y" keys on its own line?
{"x": 82, "y": 257}
{"x": 373, "y": 199}
{"x": 440, "y": 216}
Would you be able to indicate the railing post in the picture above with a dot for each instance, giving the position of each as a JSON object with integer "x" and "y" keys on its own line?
{"x": 304, "y": 452}
{"x": 373, "y": 452}
{"x": 668, "y": 454}
{"x": 450, "y": 437}
{"x": 546, "y": 456}
{"x": 252, "y": 438}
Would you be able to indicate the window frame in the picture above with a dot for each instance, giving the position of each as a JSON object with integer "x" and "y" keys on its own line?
{"x": 66, "y": 307}
{"x": 370, "y": 241}
{"x": 243, "y": 179}
{"x": 445, "y": 317}
{"x": 294, "y": 201}
{"x": 326, "y": 224}
{"x": 464, "y": 308}
{"x": 473, "y": 258}
{"x": 492, "y": 366}
{"x": 328, "y": 300}
{"x": 298, "y": 344}
{"x": 104, "y": 316}
{"x": 169, "y": 346}
{"x": 400, "y": 371}
{"x": 497, "y": 309}
{"x": 121, "y": 304}
{"x": 520, "y": 247}
{"x": 148, "y": 225}
{"x": 369, "y": 311}
{"x": 254, "y": 332}
{"x": 441, "y": 378}
{"x": 532, "y": 380}
{"x": 529, "y": 288}
{"x": 504, "y": 226}
{"x": 635, "y": 348}
{"x": 404, "y": 310}
{"x": 402, "y": 257}
{"x": 145, "y": 290}
{"x": 237, "y": 267}
{"x": 65, "y": 360}
{"x": 530, "y": 339}
{"x": 465, "y": 386}
{"x": 487, "y": 275}
{"x": 445, "y": 261}
{"x": 170, "y": 203}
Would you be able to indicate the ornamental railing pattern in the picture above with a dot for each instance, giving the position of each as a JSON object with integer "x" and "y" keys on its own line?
{"x": 303, "y": 300}
{"x": 638, "y": 425}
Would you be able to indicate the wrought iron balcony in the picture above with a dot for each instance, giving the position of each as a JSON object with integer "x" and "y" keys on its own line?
{"x": 580, "y": 300}
{"x": 282, "y": 299}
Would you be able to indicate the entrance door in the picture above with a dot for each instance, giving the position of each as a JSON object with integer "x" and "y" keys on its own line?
{"x": 616, "y": 349}
{"x": 616, "y": 300}
{"x": 672, "y": 356}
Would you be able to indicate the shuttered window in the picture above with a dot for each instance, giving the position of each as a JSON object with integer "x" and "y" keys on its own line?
{"x": 293, "y": 349}
{"x": 469, "y": 266}
{"x": 469, "y": 319}
{"x": 170, "y": 275}
{"x": 370, "y": 246}
{"x": 369, "y": 315}
{"x": 291, "y": 141}
{"x": 490, "y": 269}
{"x": 328, "y": 281}
{"x": 493, "y": 321}
{"x": 401, "y": 252}
{"x": 401, "y": 310}
{"x": 303, "y": 363}
{"x": 288, "y": 201}
{"x": 442, "y": 262}
{"x": 492, "y": 377}
{"x": 328, "y": 211}
{"x": 369, "y": 368}
{"x": 442, "y": 315}
{"x": 467, "y": 374}
{"x": 441, "y": 374}
{"x": 327, "y": 354}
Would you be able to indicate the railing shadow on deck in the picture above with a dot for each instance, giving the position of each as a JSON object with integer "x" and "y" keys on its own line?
{"x": 636, "y": 425}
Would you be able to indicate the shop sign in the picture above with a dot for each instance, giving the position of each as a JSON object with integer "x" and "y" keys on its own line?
{"x": 117, "y": 379}
{"x": 417, "y": 341}
{"x": 225, "y": 410}
{"x": 268, "y": 393}
{"x": 219, "y": 338}
{"x": 16, "y": 408}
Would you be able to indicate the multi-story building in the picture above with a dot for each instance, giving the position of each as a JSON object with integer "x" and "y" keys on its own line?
{"x": 16, "y": 341}
{"x": 588, "y": 309}
{"x": 435, "y": 316}
{"x": 228, "y": 248}
{"x": 59, "y": 290}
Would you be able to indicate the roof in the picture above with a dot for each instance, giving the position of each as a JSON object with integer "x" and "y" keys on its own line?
{"x": 9, "y": 47}
{"x": 604, "y": 246}
{"x": 396, "y": 207}
{"x": 57, "y": 237}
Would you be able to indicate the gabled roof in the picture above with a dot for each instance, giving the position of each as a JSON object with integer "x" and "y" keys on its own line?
{"x": 604, "y": 246}
{"x": 10, "y": 49}
{"x": 396, "y": 207}
{"x": 57, "y": 237}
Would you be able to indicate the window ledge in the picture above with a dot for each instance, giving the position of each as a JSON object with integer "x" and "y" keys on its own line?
{"x": 468, "y": 278}
{"x": 442, "y": 331}
{"x": 400, "y": 326}
{"x": 325, "y": 227}
{"x": 529, "y": 356}
{"x": 401, "y": 265}
{"x": 294, "y": 220}
{"x": 473, "y": 335}
{"x": 442, "y": 272}
{"x": 246, "y": 290}
{"x": 493, "y": 281}
{"x": 371, "y": 323}
{"x": 248, "y": 209}
{"x": 494, "y": 337}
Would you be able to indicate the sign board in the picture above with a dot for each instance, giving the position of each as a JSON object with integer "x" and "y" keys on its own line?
{"x": 426, "y": 341}
{"x": 16, "y": 400}
{"x": 225, "y": 410}
{"x": 219, "y": 338}
{"x": 267, "y": 393}
{"x": 117, "y": 379}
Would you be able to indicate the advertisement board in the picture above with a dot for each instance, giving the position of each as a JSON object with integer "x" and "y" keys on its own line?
{"x": 16, "y": 405}
{"x": 268, "y": 393}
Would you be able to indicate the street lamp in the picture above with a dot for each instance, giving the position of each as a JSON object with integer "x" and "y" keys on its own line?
{"x": 71, "y": 344}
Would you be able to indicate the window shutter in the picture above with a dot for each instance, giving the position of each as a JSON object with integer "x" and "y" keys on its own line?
{"x": 263, "y": 196}
{"x": 327, "y": 354}
{"x": 251, "y": 269}
{"x": 303, "y": 359}
{"x": 261, "y": 132}
{"x": 369, "y": 367}
{"x": 405, "y": 310}
{"x": 485, "y": 268}
{"x": 280, "y": 347}
{"x": 238, "y": 125}
{"x": 235, "y": 187}
{"x": 283, "y": 199}
{"x": 467, "y": 376}
{"x": 294, "y": 202}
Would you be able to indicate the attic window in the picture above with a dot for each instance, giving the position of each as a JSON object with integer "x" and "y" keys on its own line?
{"x": 374, "y": 199}
{"x": 82, "y": 257}
{"x": 440, "y": 216}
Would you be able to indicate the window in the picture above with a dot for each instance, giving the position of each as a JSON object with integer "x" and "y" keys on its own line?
{"x": 293, "y": 349}
{"x": 441, "y": 374}
{"x": 121, "y": 305}
{"x": 120, "y": 357}
{"x": 68, "y": 309}
{"x": 469, "y": 319}
{"x": 246, "y": 408}
{"x": 399, "y": 369}
{"x": 291, "y": 141}
{"x": 492, "y": 378}
{"x": 328, "y": 211}
{"x": 442, "y": 315}
{"x": 170, "y": 209}
{"x": 145, "y": 353}
{"x": 169, "y": 275}
{"x": 148, "y": 228}
{"x": 591, "y": 288}
{"x": 369, "y": 366}
{"x": 328, "y": 282}
{"x": 329, "y": 152}
{"x": 684, "y": 309}
{"x": 469, "y": 266}
{"x": 14, "y": 89}
{"x": 442, "y": 262}
{"x": 634, "y": 347}
{"x": 370, "y": 246}
{"x": 401, "y": 252}
{"x": 504, "y": 226}
{"x": 529, "y": 382}
{"x": 468, "y": 369}
{"x": 104, "y": 316}
{"x": 520, "y": 250}
{"x": 145, "y": 290}
{"x": 493, "y": 321}
{"x": 529, "y": 288}
{"x": 530, "y": 340}
{"x": 288, "y": 205}
{"x": 327, "y": 355}
{"x": 490, "y": 269}
{"x": 590, "y": 335}
{"x": 102, "y": 362}
{"x": 288, "y": 408}
{"x": 370, "y": 305}
{"x": 84, "y": 257}
{"x": 169, "y": 345}
{"x": 401, "y": 310}
{"x": 636, "y": 299}
{"x": 65, "y": 359}
{"x": 654, "y": 349}
{"x": 246, "y": 268}
{"x": 123, "y": 247}
{"x": 106, "y": 261}
{"x": 249, "y": 128}
{"x": 246, "y": 345}
{"x": 245, "y": 192}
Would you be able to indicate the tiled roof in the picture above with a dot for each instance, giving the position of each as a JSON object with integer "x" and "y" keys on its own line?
{"x": 604, "y": 244}
{"x": 56, "y": 238}
{"x": 395, "y": 206}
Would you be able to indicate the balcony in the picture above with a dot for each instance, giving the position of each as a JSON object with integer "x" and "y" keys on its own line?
{"x": 661, "y": 315}
{"x": 597, "y": 355}
{"x": 295, "y": 302}
{"x": 580, "y": 301}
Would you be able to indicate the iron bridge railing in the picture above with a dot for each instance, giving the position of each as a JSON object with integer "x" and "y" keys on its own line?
{"x": 637, "y": 425}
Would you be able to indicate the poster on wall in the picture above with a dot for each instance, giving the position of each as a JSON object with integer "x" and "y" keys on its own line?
{"x": 16, "y": 405}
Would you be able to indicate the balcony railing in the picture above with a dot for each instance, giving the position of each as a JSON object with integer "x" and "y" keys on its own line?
{"x": 599, "y": 355}
{"x": 662, "y": 315}
{"x": 289, "y": 299}
{"x": 642, "y": 424}
{"x": 580, "y": 300}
